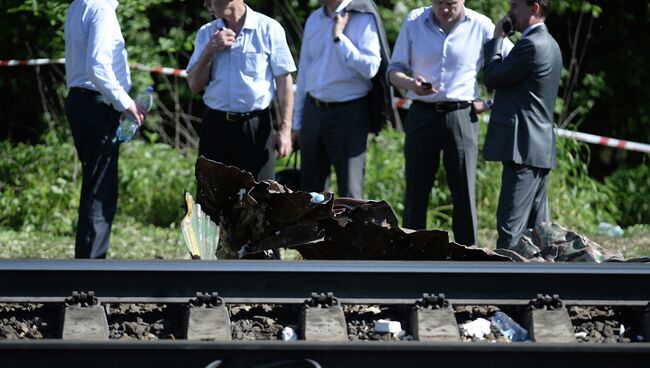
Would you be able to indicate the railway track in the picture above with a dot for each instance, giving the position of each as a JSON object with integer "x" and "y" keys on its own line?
{"x": 148, "y": 307}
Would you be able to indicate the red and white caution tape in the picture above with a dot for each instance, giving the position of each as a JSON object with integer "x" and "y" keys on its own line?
{"x": 160, "y": 70}
{"x": 151, "y": 69}
{"x": 31, "y": 62}
{"x": 400, "y": 103}
{"x": 604, "y": 141}
{"x": 405, "y": 103}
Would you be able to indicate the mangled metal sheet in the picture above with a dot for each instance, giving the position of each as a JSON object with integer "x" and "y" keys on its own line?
{"x": 260, "y": 216}
{"x": 550, "y": 242}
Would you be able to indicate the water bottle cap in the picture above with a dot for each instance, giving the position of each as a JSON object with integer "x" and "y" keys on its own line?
{"x": 149, "y": 88}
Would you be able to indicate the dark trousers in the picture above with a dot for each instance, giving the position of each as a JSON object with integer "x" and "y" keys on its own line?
{"x": 335, "y": 136}
{"x": 523, "y": 202}
{"x": 93, "y": 124}
{"x": 246, "y": 144}
{"x": 455, "y": 133}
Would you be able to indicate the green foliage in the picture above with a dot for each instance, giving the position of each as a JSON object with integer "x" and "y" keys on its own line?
{"x": 632, "y": 193}
{"x": 39, "y": 185}
{"x": 153, "y": 178}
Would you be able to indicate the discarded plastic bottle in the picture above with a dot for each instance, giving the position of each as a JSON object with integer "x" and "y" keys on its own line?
{"x": 508, "y": 327}
{"x": 128, "y": 125}
{"x": 605, "y": 228}
{"x": 317, "y": 197}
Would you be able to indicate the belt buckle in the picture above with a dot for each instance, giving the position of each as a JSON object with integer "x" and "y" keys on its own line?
{"x": 231, "y": 117}
{"x": 320, "y": 104}
{"x": 439, "y": 107}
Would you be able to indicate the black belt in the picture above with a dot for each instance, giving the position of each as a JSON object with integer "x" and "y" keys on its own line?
{"x": 84, "y": 90}
{"x": 443, "y": 106}
{"x": 328, "y": 105}
{"x": 239, "y": 117}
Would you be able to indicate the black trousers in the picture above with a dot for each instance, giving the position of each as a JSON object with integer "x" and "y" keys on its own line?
{"x": 455, "y": 133}
{"x": 93, "y": 124}
{"x": 523, "y": 202}
{"x": 335, "y": 136}
{"x": 246, "y": 144}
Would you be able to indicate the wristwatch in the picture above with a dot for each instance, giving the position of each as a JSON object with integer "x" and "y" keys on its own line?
{"x": 489, "y": 102}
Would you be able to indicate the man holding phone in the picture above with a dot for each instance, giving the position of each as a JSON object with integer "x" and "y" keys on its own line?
{"x": 436, "y": 58}
{"x": 520, "y": 133}
{"x": 340, "y": 55}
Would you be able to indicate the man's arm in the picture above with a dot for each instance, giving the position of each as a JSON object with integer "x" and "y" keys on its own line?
{"x": 503, "y": 72}
{"x": 401, "y": 80}
{"x": 199, "y": 74}
{"x": 284, "y": 84}
{"x": 364, "y": 58}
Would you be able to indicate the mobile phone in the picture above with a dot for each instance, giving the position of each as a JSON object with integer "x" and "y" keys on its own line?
{"x": 507, "y": 27}
{"x": 426, "y": 85}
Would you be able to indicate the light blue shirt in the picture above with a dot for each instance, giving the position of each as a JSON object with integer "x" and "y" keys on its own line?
{"x": 336, "y": 72}
{"x": 242, "y": 77}
{"x": 449, "y": 61}
{"x": 95, "y": 57}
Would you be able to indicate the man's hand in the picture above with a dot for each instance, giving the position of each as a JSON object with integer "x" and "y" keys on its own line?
{"x": 282, "y": 143}
{"x": 480, "y": 106}
{"x": 221, "y": 39}
{"x": 421, "y": 88}
{"x": 498, "y": 28}
{"x": 340, "y": 21}
{"x": 138, "y": 112}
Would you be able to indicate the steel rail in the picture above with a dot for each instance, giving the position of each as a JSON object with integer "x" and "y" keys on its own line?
{"x": 346, "y": 279}
{"x": 350, "y": 354}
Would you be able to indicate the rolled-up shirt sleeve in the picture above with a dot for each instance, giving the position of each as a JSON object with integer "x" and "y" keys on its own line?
{"x": 366, "y": 59}
{"x": 401, "y": 58}
{"x": 281, "y": 58}
{"x": 301, "y": 93}
{"x": 199, "y": 44}
{"x": 99, "y": 58}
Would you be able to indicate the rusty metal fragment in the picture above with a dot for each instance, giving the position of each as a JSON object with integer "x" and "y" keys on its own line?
{"x": 256, "y": 217}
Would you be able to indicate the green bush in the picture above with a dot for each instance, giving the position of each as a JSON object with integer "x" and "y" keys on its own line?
{"x": 153, "y": 178}
{"x": 632, "y": 193}
{"x": 39, "y": 185}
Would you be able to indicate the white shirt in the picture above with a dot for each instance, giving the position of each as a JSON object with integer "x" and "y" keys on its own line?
{"x": 449, "y": 61}
{"x": 530, "y": 28}
{"x": 336, "y": 72}
{"x": 95, "y": 57}
{"x": 242, "y": 77}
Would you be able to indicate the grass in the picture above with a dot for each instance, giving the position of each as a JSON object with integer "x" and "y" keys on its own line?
{"x": 132, "y": 240}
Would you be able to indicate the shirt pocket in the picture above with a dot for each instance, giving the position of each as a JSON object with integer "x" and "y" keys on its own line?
{"x": 255, "y": 64}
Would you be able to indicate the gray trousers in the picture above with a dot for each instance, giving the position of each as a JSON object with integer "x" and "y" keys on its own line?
{"x": 523, "y": 202}
{"x": 93, "y": 124}
{"x": 335, "y": 136}
{"x": 455, "y": 133}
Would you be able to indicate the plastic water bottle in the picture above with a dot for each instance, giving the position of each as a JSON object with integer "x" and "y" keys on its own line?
{"x": 128, "y": 125}
{"x": 317, "y": 197}
{"x": 508, "y": 327}
{"x": 605, "y": 228}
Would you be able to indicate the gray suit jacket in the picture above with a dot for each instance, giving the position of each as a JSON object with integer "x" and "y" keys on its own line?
{"x": 526, "y": 84}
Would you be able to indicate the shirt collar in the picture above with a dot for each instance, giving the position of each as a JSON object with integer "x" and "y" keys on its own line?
{"x": 341, "y": 6}
{"x": 530, "y": 28}
{"x": 431, "y": 16}
{"x": 250, "y": 22}
{"x": 113, "y": 3}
